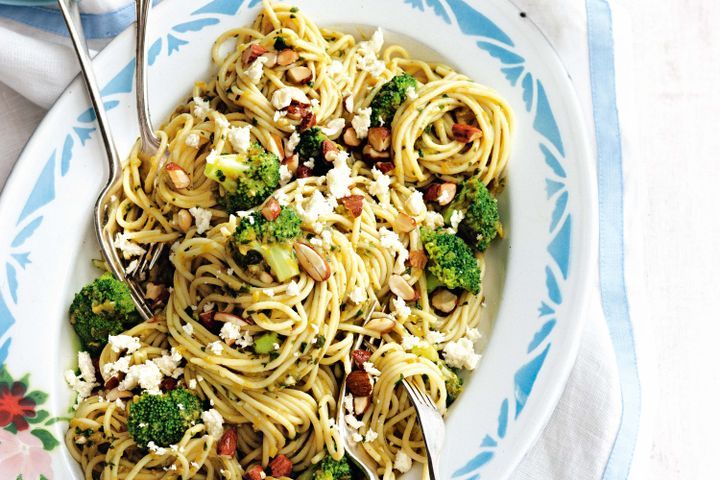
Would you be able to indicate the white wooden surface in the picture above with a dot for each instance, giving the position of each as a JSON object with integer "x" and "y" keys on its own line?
{"x": 677, "y": 139}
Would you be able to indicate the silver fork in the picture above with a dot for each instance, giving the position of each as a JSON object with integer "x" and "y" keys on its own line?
{"x": 431, "y": 423}
{"x": 71, "y": 13}
{"x": 354, "y": 450}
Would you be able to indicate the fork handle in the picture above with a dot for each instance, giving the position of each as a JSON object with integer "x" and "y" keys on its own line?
{"x": 149, "y": 142}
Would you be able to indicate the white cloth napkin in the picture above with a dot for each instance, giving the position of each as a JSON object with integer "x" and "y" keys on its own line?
{"x": 584, "y": 438}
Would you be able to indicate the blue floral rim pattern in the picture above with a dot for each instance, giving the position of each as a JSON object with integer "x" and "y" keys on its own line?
{"x": 489, "y": 38}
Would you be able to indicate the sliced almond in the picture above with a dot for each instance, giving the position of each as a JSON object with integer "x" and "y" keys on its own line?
{"x": 307, "y": 121}
{"x": 379, "y": 138}
{"x": 373, "y": 155}
{"x": 271, "y": 209}
{"x": 303, "y": 171}
{"x": 350, "y": 137}
{"x": 444, "y": 300}
{"x": 299, "y": 75}
{"x": 252, "y": 52}
{"x": 329, "y": 150}
{"x": 400, "y": 287}
{"x": 349, "y": 103}
{"x": 404, "y": 223}
{"x": 464, "y": 115}
{"x": 265, "y": 277}
{"x": 359, "y": 383}
{"x": 446, "y": 193}
{"x": 114, "y": 394}
{"x": 112, "y": 382}
{"x": 312, "y": 262}
{"x": 287, "y": 56}
{"x": 354, "y": 204}
{"x": 227, "y": 445}
{"x": 417, "y": 259}
{"x": 296, "y": 111}
{"x": 178, "y": 176}
{"x": 277, "y": 140}
{"x": 359, "y": 357}
{"x": 466, "y": 133}
{"x": 292, "y": 162}
{"x": 380, "y": 324}
{"x": 154, "y": 291}
{"x": 361, "y": 405}
{"x": 184, "y": 220}
{"x": 385, "y": 167}
{"x": 230, "y": 317}
{"x": 271, "y": 59}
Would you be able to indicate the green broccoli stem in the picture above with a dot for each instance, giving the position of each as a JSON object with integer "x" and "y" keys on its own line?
{"x": 281, "y": 259}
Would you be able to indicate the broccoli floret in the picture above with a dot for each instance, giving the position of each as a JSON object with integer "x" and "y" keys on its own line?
{"x": 331, "y": 469}
{"x": 266, "y": 342}
{"x": 310, "y": 145}
{"x": 453, "y": 382}
{"x": 102, "y": 308}
{"x": 271, "y": 239}
{"x": 248, "y": 179}
{"x": 163, "y": 419}
{"x": 451, "y": 260}
{"x": 389, "y": 98}
{"x": 482, "y": 220}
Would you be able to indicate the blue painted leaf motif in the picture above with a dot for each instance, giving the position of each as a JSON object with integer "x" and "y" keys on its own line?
{"x": 195, "y": 25}
{"x": 26, "y": 232}
{"x": 560, "y": 205}
{"x": 253, "y": 3}
{"x": 439, "y": 10}
{"x": 504, "y": 55}
{"x": 6, "y": 346}
{"x": 525, "y": 379}
{"x": 22, "y": 259}
{"x": 122, "y": 82}
{"x": 83, "y": 133}
{"x": 552, "y": 162}
{"x": 89, "y": 115}
{"x": 541, "y": 334}
{"x": 488, "y": 441}
{"x": 418, "y": 4}
{"x": 552, "y": 187}
{"x": 545, "y": 309}
{"x": 475, "y": 463}
{"x": 223, "y": 7}
{"x": 473, "y": 22}
{"x": 44, "y": 190}
{"x": 154, "y": 51}
{"x": 527, "y": 86}
{"x": 545, "y": 123}
{"x": 66, "y": 155}
{"x": 552, "y": 286}
{"x": 503, "y": 419}
{"x": 513, "y": 74}
{"x": 559, "y": 248}
{"x": 12, "y": 280}
{"x": 174, "y": 44}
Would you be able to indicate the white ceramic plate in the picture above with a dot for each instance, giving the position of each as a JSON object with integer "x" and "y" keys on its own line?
{"x": 537, "y": 277}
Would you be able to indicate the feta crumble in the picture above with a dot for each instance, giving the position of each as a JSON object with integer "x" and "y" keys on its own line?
{"x": 255, "y": 71}
{"x": 192, "y": 140}
{"x": 127, "y": 246}
{"x": 361, "y": 122}
{"x": 202, "y": 218}
{"x": 415, "y": 203}
{"x": 381, "y": 186}
{"x": 473, "y": 334}
{"x": 240, "y": 138}
{"x": 215, "y": 347}
{"x": 147, "y": 375}
{"x": 358, "y": 295}
{"x": 285, "y": 175}
{"x": 283, "y": 97}
{"x": 156, "y": 449}
{"x": 411, "y": 93}
{"x": 333, "y": 127}
{"x": 201, "y": 108}
{"x": 354, "y": 422}
{"x": 369, "y": 367}
{"x": 124, "y": 342}
{"x": 403, "y": 462}
{"x": 169, "y": 363}
{"x": 410, "y": 341}
{"x": 268, "y": 292}
{"x": 434, "y": 337}
{"x": 434, "y": 220}
{"x": 401, "y": 310}
{"x": 370, "y": 436}
{"x": 292, "y": 143}
{"x": 461, "y": 354}
{"x": 339, "y": 178}
{"x": 293, "y": 289}
{"x": 213, "y": 423}
{"x": 455, "y": 219}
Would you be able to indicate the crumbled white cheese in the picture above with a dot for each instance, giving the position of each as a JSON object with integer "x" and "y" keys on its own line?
{"x": 335, "y": 67}
{"x": 87, "y": 369}
{"x": 127, "y": 246}
{"x": 276, "y": 346}
{"x": 212, "y": 157}
{"x": 391, "y": 241}
{"x": 292, "y": 143}
{"x": 283, "y": 97}
{"x": 282, "y": 198}
{"x": 188, "y": 328}
{"x": 293, "y": 289}
{"x": 434, "y": 220}
{"x": 221, "y": 121}
{"x": 201, "y": 108}
{"x": 82, "y": 389}
{"x": 169, "y": 363}
{"x": 290, "y": 381}
{"x": 381, "y": 186}
{"x": 354, "y": 422}
{"x": 411, "y": 93}
{"x": 358, "y": 295}
{"x": 147, "y": 375}
{"x": 156, "y": 449}
{"x": 455, "y": 219}
{"x": 333, "y": 127}
{"x": 132, "y": 266}
{"x": 410, "y": 341}
{"x": 240, "y": 138}
{"x": 202, "y": 218}
{"x": 192, "y": 384}
{"x": 366, "y": 56}
{"x": 473, "y": 334}
{"x": 369, "y": 367}
{"x": 370, "y": 436}
{"x": 230, "y": 331}
{"x": 339, "y": 178}
{"x": 213, "y": 423}
{"x": 310, "y": 163}
{"x": 461, "y": 354}
{"x": 192, "y": 140}
{"x": 348, "y": 403}
{"x": 403, "y": 462}
{"x": 120, "y": 366}
{"x": 215, "y": 347}
{"x": 401, "y": 310}
{"x": 361, "y": 122}
{"x": 445, "y": 197}
{"x": 255, "y": 71}
{"x": 317, "y": 207}
{"x": 124, "y": 342}
{"x": 210, "y": 306}
{"x": 434, "y": 336}
{"x": 377, "y": 39}
{"x": 415, "y": 203}
{"x": 268, "y": 292}
{"x": 285, "y": 175}
{"x": 278, "y": 115}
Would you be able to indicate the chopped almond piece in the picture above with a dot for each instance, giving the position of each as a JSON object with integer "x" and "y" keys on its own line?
{"x": 465, "y": 133}
{"x": 443, "y": 193}
{"x": 373, "y": 155}
{"x": 271, "y": 209}
{"x": 379, "y": 138}
{"x": 252, "y": 52}
{"x": 179, "y": 177}
{"x": 354, "y": 203}
{"x": 417, "y": 259}
{"x": 271, "y": 57}
{"x": 350, "y": 137}
{"x": 359, "y": 383}
{"x": 255, "y": 472}
{"x": 360, "y": 405}
{"x": 299, "y": 75}
{"x": 329, "y": 150}
{"x": 303, "y": 171}
{"x": 307, "y": 121}
{"x": 280, "y": 466}
{"x": 404, "y": 223}
{"x": 385, "y": 167}
{"x": 287, "y": 56}
{"x": 359, "y": 357}
{"x": 227, "y": 445}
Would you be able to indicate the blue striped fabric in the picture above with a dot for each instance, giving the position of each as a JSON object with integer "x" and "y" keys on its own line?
{"x": 612, "y": 242}
{"x": 101, "y": 25}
